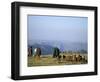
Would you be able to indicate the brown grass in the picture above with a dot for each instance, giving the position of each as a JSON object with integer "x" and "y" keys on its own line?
{"x": 48, "y": 60}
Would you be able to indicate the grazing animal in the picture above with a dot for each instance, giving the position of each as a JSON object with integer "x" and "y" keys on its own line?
{"x": 56, "y": 52}
{"x": 69, "y": 58}
{"x": 64, "y": 57}
{"x": 74, "y": 58}
{"x": 59, "y": 58}
{"x": 83, "y": 58}
{"x": 79, "y": 57}
{"x": 30, "y": 51}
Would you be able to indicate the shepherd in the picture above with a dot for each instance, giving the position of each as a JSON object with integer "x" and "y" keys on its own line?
{"x": 56, "y": 52}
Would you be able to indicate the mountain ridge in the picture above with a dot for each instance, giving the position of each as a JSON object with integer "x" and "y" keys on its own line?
{"x": 47, "y": 46}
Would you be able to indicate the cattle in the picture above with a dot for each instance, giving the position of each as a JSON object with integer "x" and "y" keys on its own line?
{"x": 69, "y": 58}
{"x": 64, "y": 57}
{"x": 30, "y": 51}
{"x": 74, "y": 58}
{"x": 79, "y": 57}
{"x": 56, "y": 52}
{"x": 83, "y": 59}
{"x": 59, "y": 57}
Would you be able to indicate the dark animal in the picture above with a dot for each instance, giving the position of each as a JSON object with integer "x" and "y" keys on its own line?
{"x": 59, "y": 58}
{"x": 64, "y": 57}
{"x": 56, "y": 52}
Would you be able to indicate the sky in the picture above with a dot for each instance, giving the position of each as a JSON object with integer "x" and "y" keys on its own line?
{"x": 57, "y": 28}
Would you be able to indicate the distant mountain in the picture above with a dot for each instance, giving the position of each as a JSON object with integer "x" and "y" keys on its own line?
{"x": 47, "y": 46}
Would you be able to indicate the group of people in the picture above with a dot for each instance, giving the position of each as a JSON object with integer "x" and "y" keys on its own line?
{"x": 37, "y": 51}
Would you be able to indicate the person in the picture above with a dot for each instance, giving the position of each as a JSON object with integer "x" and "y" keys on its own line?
{"x": 56, "y": 52}
{"x": 30, "y": 51}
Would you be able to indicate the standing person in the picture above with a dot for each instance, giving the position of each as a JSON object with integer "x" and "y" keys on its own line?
{"x": 30, "y": 51}
{"x": 56, "y": 52}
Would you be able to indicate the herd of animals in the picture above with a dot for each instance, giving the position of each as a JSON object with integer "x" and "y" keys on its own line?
{"x": 76, "y": 57}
